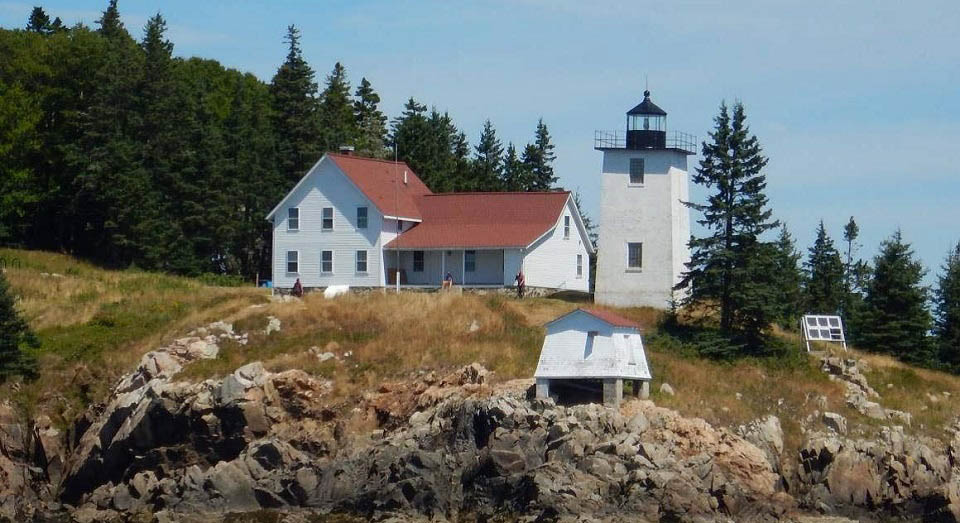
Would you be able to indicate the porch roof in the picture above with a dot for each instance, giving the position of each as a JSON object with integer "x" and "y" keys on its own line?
{"x": 482, "y": 220}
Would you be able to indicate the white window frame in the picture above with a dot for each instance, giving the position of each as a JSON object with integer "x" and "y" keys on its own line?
{"x": 323, "y": 219}
{"x": 322, "y": 262}
{"x": 290, "y": 219}
{"x": 566, "y": 227}
{"x": 639, "y": 267}
{"x": 356, "y": 261}
{"x": 579, "y": 266}
{"x": 296, "y": 255}
{"x": 366, "y": 217}
{"x": 643, "y": 172}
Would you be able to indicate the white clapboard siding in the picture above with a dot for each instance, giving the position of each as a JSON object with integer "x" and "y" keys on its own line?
{"x": 327, "y": 186}
{"x": 617, "y": 352}
{"x": 551, "y": 261}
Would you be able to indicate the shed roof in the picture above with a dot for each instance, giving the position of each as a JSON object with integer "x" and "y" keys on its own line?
{"x": 610, "y": 318}
{"x": 478, "y": 220}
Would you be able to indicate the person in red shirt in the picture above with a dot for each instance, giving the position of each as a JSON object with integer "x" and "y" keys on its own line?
{"x": 297, "y": 289}
{"x": 521, "y": 284}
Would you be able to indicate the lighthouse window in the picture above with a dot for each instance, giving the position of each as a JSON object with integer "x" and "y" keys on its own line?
{"x": 634, "y": 255}
{"x": 636, "y": 171}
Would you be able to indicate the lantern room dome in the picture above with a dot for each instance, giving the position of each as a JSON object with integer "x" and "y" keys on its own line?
{"x": 647, "y": 107}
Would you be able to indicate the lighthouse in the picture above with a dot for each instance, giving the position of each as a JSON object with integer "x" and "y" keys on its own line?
{"x": 644, "y": 225}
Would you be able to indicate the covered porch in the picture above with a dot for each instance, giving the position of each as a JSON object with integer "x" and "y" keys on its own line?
{"x": 426, "y": 268}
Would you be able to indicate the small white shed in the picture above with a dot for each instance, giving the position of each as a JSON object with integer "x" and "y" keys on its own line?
{"x": 594, "y": 345}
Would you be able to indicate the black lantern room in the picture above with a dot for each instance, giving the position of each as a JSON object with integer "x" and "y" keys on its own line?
{"x": 646, "y": 125}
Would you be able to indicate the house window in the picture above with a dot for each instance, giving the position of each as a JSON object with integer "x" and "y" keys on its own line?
{"x": 634, "y": 255}
{"x": 326, "y": 262}
{"x": 293, "y": 219}
{"x": 417, "y": 261}
{"x": 361, "y": 261}
{"x": 566, "y": 227}
{"x": 399, "y": 226}
{"x": 361, "y": 217}
{"x": 327, "y": 218}
{"x": 636, "y": 171}
{"x": 579, "y": 266}
{"x": 293, "y": 261}
{"x": 470, "y": 261}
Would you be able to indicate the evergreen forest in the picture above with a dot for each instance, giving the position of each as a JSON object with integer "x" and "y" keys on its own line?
{"x": 115, "y": 150}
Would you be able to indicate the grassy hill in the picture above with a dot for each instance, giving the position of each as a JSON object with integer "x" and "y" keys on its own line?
{"x": 95, "y": 324}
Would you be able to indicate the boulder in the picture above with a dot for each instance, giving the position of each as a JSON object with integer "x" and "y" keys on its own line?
{"x": 835, "y": 422}
{"x": 665, "y": 388}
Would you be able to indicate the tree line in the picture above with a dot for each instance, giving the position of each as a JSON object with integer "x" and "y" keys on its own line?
{"x": 116, "y": 151}
{"x": 750, "y": 282}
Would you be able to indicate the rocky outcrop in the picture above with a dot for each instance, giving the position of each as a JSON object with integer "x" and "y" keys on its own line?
{"x": 443, "y": 447}
{"x": 860, "y": 394}
{"x": 892, "y": 476}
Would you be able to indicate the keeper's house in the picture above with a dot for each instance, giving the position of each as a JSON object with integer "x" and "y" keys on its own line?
{"x": 354, "y": 221}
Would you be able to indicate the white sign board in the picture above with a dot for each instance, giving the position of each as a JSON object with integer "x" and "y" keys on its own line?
{"x": 819, "y": 327}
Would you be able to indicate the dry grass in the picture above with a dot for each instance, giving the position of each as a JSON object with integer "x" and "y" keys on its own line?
{"x": 95, "y": 324}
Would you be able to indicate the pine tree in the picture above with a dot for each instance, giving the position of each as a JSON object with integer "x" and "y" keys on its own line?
{"x": 585, "y": 218}
{"x": 487, "y": 160}
{"x": 338, "y": 125}
{"x": 15, "y": 336}
{"x": 896, "y": 319}
{"x": 538, "y": 158}
{"x": 789, "y": 279}
{"x": 824, "y": 290}
{"x": 295, "y": 112}
{"x": 731, "y": 269}
{"x": 947, "y": 303}
{"x": 371, "y": 123}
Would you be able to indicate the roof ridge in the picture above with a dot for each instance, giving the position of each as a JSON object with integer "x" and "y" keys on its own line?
{"x": 455, "y": 193}
{"x": 367, "y": 158}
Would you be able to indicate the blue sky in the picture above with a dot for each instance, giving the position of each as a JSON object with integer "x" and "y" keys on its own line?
{"x": 857, "y": 104}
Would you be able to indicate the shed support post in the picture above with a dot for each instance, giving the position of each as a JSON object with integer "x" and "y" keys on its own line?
{"x": 644, "y": 389}
{"x": 612, "y": 391}
{"x": 543, "y": 388}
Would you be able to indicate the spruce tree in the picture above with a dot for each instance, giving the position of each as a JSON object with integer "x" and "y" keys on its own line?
{"x": 514, "y": 171}
{"x": 538, "y": 160}
{"x": 487, "y": 160}
{"x": 896, "y": 319}
{"x": 789, "y": 279}
{"x": 731, "y": 269}
{"x": 371, "y": 123}
{"x": 111, "y": 26}
{"x": 337, "y": 122}
{"x": 15, "y": 336}
{"x": 295, "y": 112}
{"x": 39, "y": 22}
{"x": 947, "y": 309}
{"x": 824, "y": 290}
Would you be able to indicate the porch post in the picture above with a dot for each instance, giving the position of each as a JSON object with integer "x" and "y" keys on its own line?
{"x": 463, "y": 267}
{"x": 443, "y": 267}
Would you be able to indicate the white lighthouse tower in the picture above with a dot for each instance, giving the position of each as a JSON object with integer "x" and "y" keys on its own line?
{"x": 644, "y": 227}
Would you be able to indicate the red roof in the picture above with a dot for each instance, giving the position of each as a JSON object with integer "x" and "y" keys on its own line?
{"x": 482, "y": 220}
{"x": 612, "y": 318}
{"x": 378, "y": 180}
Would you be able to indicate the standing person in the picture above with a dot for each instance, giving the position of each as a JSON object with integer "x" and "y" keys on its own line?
{"x": 521, "y": 284}
{"x": 297, "y": 289}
